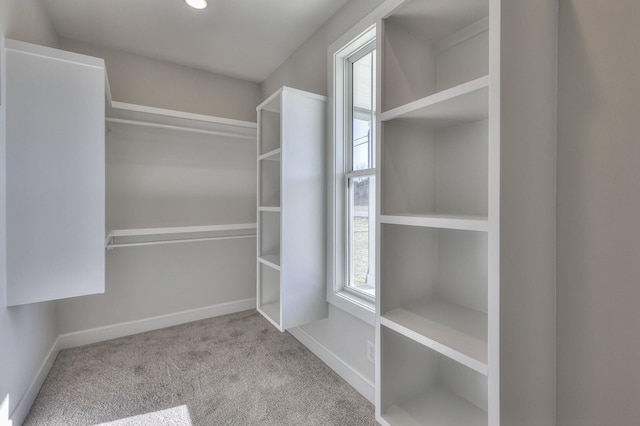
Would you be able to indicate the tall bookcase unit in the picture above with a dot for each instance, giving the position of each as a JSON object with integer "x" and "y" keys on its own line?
{"x": 466, "y": 213}
{"x": 291, "y": 223}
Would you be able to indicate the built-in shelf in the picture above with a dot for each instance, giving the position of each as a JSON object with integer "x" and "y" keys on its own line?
{"x": 268, "y": 209}
{"x": 272, "y": 312}
{"x": 425, "y": 387}
{"x": 435, "y": 407}
{"x": 448, "y": 161}
{"x": 272, "y": 260}
{"x": 291, "y": 287}
{"x": 463, "y": 103}
{"x": 465, "y": 223}
{"x": 178, "y": 234}
{"x": 271, "y": 155}
{"x": 270, "y": 184}
{"x": 121, "y": 112}
{"x": 452, "y": 330}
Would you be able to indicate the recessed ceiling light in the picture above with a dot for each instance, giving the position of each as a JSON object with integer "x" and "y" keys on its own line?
{"x": 197, "y": 4}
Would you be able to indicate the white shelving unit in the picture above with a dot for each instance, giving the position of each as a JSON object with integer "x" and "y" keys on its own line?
{"x": 291, "y": 256}
{"x": 454, "y": 170}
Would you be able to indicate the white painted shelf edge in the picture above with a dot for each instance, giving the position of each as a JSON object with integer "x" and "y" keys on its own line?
{"x": 271, "y": 260}
{"x": 466, "y": 102}
{"x": 125, "y": 113}
{"x": 454, "y": 331}
{"x": 271, "y": 155}
{"x": 208, "y": 230}
{"x": 464, "y": 223}
{"x": 275, "y": 209}
{"x": 436, "y": 406}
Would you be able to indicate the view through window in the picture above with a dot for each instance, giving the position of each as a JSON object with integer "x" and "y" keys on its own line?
{"x": 360, "y": 171}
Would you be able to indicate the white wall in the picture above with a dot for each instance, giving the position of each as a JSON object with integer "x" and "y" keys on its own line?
{"x": 598, "y": 286}
{"x": 342, "y": 334}
{"x": 27, "y": 333}
{"x": 139, "y": 80}
{"x": 161, "y": 178}
{"x": 306, "y": 68}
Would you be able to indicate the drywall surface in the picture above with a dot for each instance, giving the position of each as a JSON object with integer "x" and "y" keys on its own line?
{"x": 28, "y": 332}
{"x": 342, "y": 334}
{"x": 164, "y": 178}
{"x": 598, "y": 286}
{"x": 151, "y": 281}
{"x": 26, "y": 20}
{"x": 528, "y": 212}
{"x": 144, "y": 81}
{"x": 306, "y": 68}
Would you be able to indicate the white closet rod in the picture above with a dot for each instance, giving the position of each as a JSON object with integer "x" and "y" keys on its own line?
{"x": 109, "y": 244}
{"x": 183, "y": 240}
{"x": 181, "y": 128}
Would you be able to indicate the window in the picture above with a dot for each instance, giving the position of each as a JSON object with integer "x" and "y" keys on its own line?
{"x": 359, "y": 174}
{"x": 352, "y": 204}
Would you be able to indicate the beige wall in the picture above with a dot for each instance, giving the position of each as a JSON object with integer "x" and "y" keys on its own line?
{"x": 598, "y": 288}
{"x": 306, "y": 68}
{"x": 144, "y": 81}
{"x": 26, "y": 20}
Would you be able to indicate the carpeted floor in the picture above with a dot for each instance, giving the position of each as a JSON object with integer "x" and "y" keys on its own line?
{"x": 231, "y": 370}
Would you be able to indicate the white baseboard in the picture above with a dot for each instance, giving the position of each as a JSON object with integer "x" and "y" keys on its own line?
{"x": 344, "y": 370}
{"x": 100, "y": 334}
{"x": 94, "y": 335}
{"x": 23, "y": 407}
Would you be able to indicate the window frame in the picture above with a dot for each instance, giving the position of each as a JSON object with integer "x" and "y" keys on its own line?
{"x": 346, "y": 299}
{"x": 349, "y": 173}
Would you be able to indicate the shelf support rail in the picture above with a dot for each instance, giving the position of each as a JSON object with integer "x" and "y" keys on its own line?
{"x": 183, "y": 234}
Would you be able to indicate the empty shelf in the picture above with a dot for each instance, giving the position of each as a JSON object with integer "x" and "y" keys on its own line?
{"x": 435, "y": 407}
{"x": 463, "y": 103}
{"x": 272, "y": 312}
{"x": 272, "y": 260}
{"x": 467, "y": 223}
{"x": 271, "y": 155}
{"x": 452, "y": 330}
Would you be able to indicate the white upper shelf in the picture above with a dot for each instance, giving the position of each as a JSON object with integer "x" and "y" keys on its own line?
{"x": 463, "y": 103}
{"x": 121, "y": 112}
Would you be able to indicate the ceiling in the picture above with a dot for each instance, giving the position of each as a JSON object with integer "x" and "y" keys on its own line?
{"x": 247, "y": 39}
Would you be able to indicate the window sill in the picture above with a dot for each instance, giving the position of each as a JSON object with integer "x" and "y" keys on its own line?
{"x": 360, "y": 308}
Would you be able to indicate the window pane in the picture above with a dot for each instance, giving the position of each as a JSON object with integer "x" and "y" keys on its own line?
{"x": 363, "y": 101}
{"x": 361, "y": 218}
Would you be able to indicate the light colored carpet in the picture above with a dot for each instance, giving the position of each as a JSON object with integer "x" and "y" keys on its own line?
{"x": 231, "y": 370}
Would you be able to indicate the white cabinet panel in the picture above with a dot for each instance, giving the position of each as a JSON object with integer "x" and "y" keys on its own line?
{"x": 55, "y": 174}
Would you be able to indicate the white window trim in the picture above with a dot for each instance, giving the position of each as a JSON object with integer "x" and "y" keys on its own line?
{"x": 358, "y": 36}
